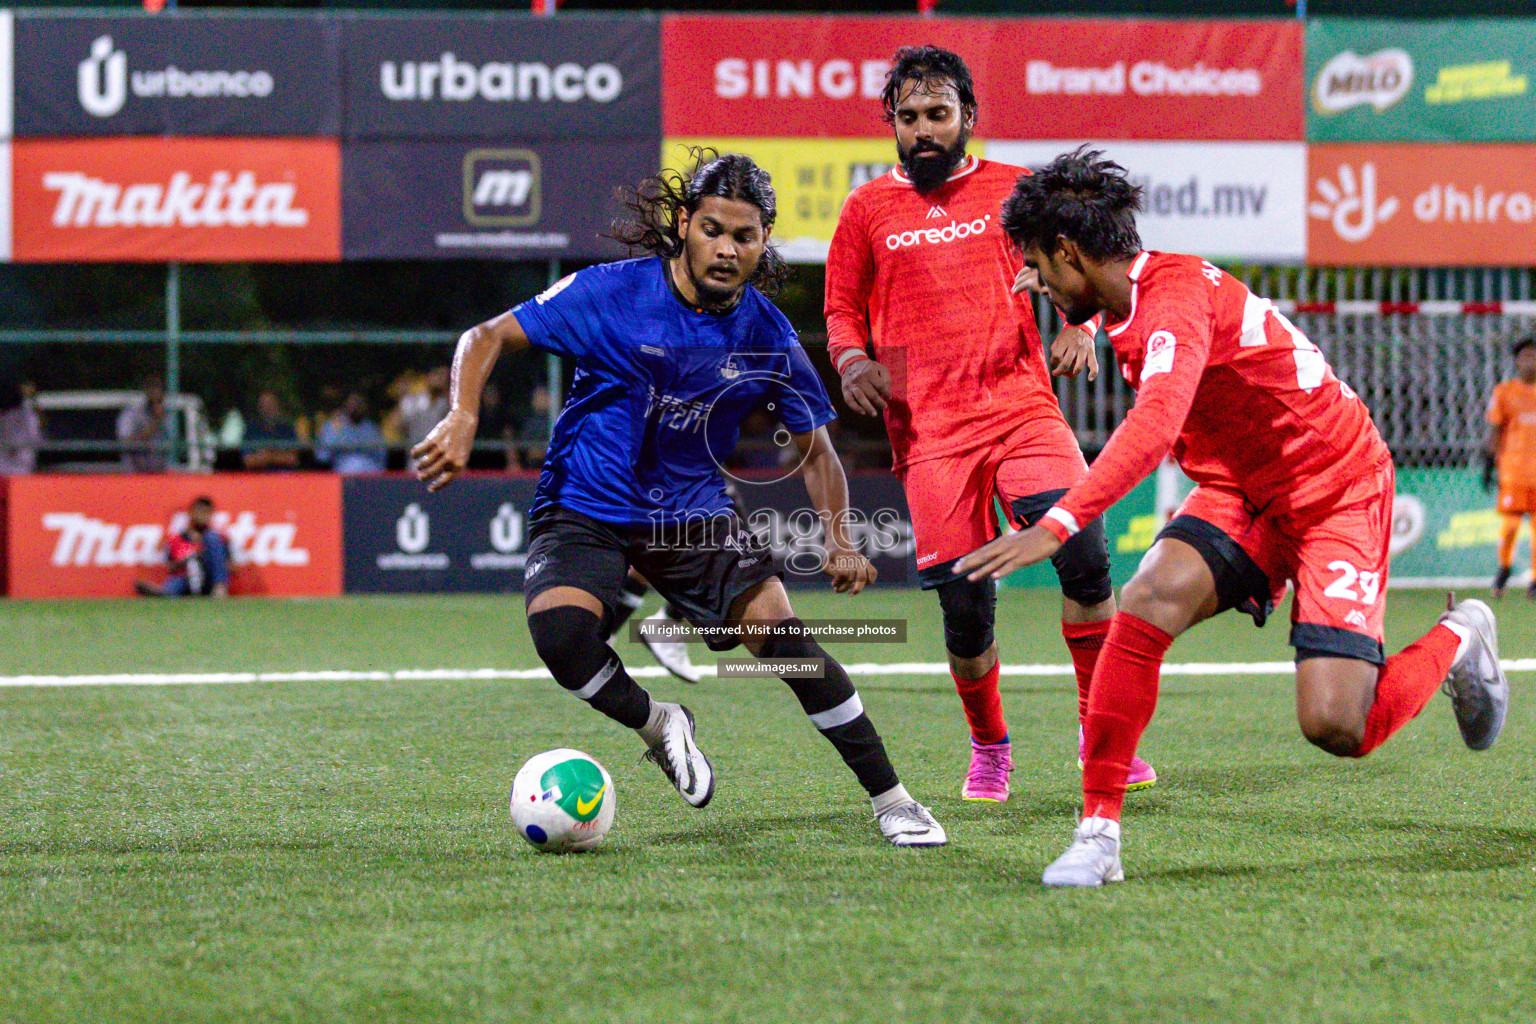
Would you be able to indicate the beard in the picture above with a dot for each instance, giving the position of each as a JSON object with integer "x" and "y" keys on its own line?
{"x": 930, "y": 171}
{"x": 711, "y": 293}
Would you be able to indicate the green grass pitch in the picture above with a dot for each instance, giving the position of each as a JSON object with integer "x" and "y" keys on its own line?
{"x": 315, "y": 852}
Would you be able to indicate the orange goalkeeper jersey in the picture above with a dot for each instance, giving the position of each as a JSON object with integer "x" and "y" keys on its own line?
{"x": 1513, "y": 407}
{"x": 928, "y": 279}
{"x": 1242, "y": 398}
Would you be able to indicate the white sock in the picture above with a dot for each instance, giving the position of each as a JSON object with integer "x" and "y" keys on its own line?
{"x": 651, "y": 730}
{"x": 1463, "y": 634}
{"x": 893, "y": 797}
{"x": 1102, "y": 827}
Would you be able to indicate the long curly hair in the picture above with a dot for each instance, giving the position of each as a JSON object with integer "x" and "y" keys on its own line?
{"x": 653, "y": 205}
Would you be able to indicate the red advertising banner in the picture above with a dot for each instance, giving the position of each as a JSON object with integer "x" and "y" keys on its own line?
{"x": 93, "y": 536}
{"x": 176, "y": 199}
{"x": 1421, "y": 204}
{"x": 1035, "y": 79}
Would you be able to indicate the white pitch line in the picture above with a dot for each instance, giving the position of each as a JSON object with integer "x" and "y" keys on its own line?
{"x": 903, "y": 668}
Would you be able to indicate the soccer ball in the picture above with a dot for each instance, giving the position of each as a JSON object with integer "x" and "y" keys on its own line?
{"x": 563, "y": 801}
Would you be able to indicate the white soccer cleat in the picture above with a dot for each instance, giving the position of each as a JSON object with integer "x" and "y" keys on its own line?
{"x": 680, "y": 758}
{"x": 1091, "y": 860}
{"x": 1476, "y": 685}
{"x": 673, "y": 654}
{"x": 911, "y": 824}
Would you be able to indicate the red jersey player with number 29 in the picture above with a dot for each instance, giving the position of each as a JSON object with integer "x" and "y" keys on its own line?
{"x": 1292, "y": 483}
{"x": 920, "y": 267}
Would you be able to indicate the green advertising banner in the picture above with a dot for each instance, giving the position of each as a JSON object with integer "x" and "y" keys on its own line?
{"x": 1421, "y": 81}
{"x": 1445, "y": 532}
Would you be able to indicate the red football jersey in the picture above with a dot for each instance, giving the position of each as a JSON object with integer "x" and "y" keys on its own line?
{"x": 1241, "y": 397}
{"x": 928, "y": 278}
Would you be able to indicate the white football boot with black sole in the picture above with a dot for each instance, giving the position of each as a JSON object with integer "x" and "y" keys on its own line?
{"x": 679, "y": 757}
{"x": 911, "y": 824}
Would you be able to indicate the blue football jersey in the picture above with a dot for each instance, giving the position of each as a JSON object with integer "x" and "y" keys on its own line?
{"x": 660, "y": 391}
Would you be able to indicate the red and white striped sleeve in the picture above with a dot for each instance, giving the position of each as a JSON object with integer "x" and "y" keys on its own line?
{"x": 850, "y": 280}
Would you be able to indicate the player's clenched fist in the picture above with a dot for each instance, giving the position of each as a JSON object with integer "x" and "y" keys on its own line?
{"x": 851, "y": 572}
{"x": 867, "y": 387}
{"x": 443, "y": 454}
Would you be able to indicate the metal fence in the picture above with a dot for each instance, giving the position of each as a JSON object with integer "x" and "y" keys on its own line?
{"x": 1425, "y": 375}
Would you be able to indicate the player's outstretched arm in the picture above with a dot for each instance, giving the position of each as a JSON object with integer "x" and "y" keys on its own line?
{"x": 828, "y": 487}
{"x": 444, "y": 453}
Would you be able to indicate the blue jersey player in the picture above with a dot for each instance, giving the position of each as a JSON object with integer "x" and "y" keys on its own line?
{"x": 672, "y": 352}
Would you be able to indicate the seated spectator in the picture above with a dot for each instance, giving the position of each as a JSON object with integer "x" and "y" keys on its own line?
{"x": 197, "y": 559}
{"x": 421, "y": 408}
{"x": 141, "y": 430}
{"x": 20, "y": 430}
{"x": 271, "y": 440}
{"x": 349, "y": 442}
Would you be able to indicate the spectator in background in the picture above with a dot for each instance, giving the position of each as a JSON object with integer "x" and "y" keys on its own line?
{"x": 349, "y": 442}
{"x": 422, "y": 407}
{"x": 271, "y": 440}
{"x": 496, "y": 426}
{"x": 1512, "y": 448}
{"x": 20, "y": 430}
{"x": 141, "y": 430}
{"x": 197, "y": 559}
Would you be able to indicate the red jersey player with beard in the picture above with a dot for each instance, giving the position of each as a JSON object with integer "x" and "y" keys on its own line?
{"x": 1293, "y": 483}
{"x": 919, "y": 266}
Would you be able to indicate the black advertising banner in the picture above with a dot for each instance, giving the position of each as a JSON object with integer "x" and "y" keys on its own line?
{"x": 176, "y": 74}
{"x": 501, "y": 75}
{"x": 398, "y": 538}
{"x": 486, "y": 199}
{"x": 473, "y": 536}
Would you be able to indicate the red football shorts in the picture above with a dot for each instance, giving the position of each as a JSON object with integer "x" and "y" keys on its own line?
{"x": 951, "y": 497}
{"x": 1516, "y": 500}
{"x": 1336, "y": 556}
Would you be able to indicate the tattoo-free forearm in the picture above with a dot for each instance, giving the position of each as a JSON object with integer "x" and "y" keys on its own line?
{"x": 827, "y": 486}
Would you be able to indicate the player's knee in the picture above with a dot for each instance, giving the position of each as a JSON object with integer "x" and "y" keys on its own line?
{"x": 1331, "y": 726}
{"x": 1082, "y": 566}
{"x": 969, "y": 612}
{"x": 570, "y": 641}
{"x": 1157, "y": 596}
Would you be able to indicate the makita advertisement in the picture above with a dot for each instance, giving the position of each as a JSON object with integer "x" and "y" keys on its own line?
{"x": 487, "y": 199}
{"x": 176, "y": 74}
{"x": 178, "y": 199}
{"x": 1035, "y": 79}
{"x": 93, "y": 536}
{"x": 457, "y": 76}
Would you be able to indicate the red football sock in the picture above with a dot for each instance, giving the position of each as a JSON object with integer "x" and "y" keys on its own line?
{"x": 1084, "y": 639}
{"x": 983, "y": 706}
{"x": 1120, "y": 704}
{"x": 1406, "y": 682}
